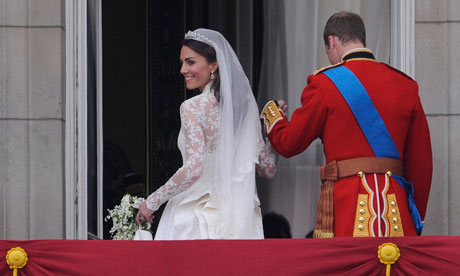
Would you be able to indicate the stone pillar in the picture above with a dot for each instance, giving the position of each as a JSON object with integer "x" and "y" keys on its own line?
{"x": 32, "y": 70}
{"x": 437, "y": 67}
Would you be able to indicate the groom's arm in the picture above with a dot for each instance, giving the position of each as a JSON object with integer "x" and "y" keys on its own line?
{"x": 292, "y": 137}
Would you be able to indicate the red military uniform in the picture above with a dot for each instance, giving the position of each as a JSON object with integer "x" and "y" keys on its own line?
{"x": 325, "y": 114}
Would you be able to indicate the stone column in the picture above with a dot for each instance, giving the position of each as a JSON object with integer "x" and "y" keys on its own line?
{"x": 32, "y": 55}
{"x": 437, "y": 72}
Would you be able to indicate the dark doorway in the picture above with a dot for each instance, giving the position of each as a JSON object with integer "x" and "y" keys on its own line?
{"x": 125, "y": 94}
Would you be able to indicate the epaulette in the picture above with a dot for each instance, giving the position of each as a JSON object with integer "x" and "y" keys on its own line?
{"x": 322, "y": 69}
{"x": 396, "y": 70}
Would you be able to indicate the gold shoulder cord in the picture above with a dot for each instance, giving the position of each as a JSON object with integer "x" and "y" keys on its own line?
{"x": 322, "y": 69}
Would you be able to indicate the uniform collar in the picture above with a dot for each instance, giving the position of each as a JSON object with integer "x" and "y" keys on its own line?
{"x": 358, "y": 54}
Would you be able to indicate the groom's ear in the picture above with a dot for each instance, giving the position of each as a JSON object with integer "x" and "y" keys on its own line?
{"x": 332, "y": 41}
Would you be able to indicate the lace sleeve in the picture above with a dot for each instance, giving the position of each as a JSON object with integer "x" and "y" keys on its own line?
{"x": 192, "y": 169}
{"x": 268, "y": 160}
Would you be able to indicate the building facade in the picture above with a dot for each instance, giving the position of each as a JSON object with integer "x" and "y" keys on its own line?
{"x": 45, "y": 62}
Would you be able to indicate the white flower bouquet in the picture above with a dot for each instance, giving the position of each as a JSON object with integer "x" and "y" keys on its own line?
{"x": 124, "y": 218}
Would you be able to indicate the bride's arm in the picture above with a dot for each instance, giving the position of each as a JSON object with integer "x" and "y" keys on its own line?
{"x": 268, "y": 160}
{"x": 192, "y": 169}
{"x": 268, "y": 156}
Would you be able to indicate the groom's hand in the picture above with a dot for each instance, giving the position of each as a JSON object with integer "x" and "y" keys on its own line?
{"x": 282, "y": 107}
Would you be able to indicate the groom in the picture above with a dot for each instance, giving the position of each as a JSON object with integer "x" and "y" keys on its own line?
{"x": 375, "y": 134}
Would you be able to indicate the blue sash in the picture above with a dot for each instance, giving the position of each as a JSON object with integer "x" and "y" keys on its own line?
{"x": 373, "y": 127}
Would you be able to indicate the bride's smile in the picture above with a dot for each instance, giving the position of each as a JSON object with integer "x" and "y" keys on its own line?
{"x": 195, "y": 68}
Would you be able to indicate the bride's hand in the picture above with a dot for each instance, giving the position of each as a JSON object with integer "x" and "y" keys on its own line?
{"x": 144, "y": 214}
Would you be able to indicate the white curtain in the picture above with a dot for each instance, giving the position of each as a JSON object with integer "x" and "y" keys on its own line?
{"x": 293, "y": 49}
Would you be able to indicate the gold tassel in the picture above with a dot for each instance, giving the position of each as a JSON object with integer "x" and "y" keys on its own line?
{"x": 320, "y": 234}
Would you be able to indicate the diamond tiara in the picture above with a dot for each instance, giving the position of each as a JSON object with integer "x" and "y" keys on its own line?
{"x": 199, "y": 37}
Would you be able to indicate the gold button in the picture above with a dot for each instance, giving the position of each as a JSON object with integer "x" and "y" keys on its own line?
{"x": 361, "y": 219}
{"x": 361, "y": 211}
{"x": 361, "y": 203}
{"x": 361, "y": 227}
{"x": 393, "y": 211}
{"x": 389, "y": 173}
{"x": 393, "y": 203}
{"x": 395, "y": 220}
{"x": 360, "y": 174}
{"x": 396, "y": 227}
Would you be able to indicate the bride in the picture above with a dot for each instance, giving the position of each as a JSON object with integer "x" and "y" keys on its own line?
{"x": 213, "y": 195}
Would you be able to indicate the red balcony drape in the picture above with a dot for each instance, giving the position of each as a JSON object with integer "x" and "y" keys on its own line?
{"x": 435, "y": 255}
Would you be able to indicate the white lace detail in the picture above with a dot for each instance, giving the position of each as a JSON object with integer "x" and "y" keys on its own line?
{"x": 198, "y": 135}
{"x": 268, "y": 160}
{"x": 198, "y": 138}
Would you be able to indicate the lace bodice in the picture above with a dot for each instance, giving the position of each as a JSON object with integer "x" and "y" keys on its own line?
{"x": 197, "y": 139}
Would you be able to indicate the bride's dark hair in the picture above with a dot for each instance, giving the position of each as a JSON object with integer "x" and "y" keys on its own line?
{"x": 210, "y": 54}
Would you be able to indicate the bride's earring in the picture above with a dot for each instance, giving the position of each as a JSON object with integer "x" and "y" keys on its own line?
{"x": 212, "y": 75}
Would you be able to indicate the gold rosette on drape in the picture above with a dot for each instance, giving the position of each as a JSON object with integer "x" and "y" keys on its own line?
{"x": 16, "y": 258}
{"x": 388, "y": 254}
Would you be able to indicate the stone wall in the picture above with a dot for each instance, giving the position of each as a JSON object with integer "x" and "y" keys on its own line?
{"x": 32, "y": 71}
{"x": 437, "y": 70}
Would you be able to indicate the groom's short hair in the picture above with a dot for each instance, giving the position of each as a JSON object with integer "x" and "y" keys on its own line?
{"x": 347, "y": 26}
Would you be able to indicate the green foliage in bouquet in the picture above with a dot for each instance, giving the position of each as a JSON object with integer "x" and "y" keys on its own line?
{"x": 124, "y": 218}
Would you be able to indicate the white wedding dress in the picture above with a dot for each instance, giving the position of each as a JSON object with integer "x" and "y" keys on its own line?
{"x": 194, "y": 210}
